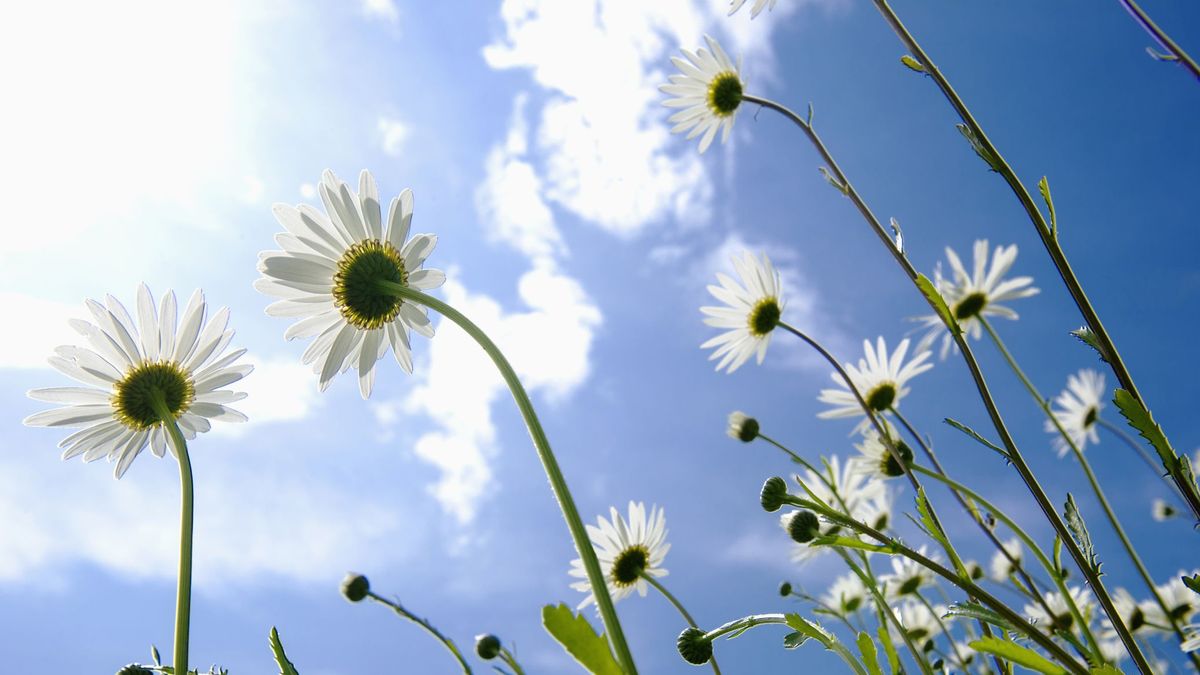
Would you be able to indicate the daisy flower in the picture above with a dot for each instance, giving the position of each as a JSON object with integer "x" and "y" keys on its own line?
{"x": 1079, "y": 407}
{"x": 752, "y": 310}
{"x": 880, "y": 380}
{"x": 975, "y": 295}
{"x": 129, "y": 365}
{"x": 908, "y": 576}
{"x": 1062, "y": 619}
{"x": 919, "y": 623}
{"x": 1181, "y": 603}
{"x": 755, "y": 10}
{"x": 1130, "y": 611}
{"x": 626, "y": 550}
{"x": 1002, "y": 567}
{"x": 709, "y": 91}
{"x": 875, "y": 460}
{"x": 742, "y": 427}
{"x": 329, "y": 275}
{"x": 1160, "y": 510}
{"x": 846, "y": 595}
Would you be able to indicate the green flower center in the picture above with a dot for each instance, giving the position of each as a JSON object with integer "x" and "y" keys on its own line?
{"x": 356, "y": 290}
{"x": 889, "y": 466}
{"x": 970, "y": 306}
{"x": 881, "y": 397}
{"x": 134, "y": 396}
{"x": 850, "y": 605}
{"x": 629, "y": 565}
{"x": 764, "y": 317}
{"x": 1090, "y": 418}
{"x": 909, "y": 586}
{"x": 724, "y": 94}
{"x": 1063, "y": 622}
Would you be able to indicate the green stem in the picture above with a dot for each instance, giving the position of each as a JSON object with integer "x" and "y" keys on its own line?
{"x": 945, "y": 631}
{"x": 511, "y": 660}
{"x": 1092, "y": 480}
{"x": 1160, "y": 37}
{"x": 744, "y": 623}
{"x": 1049, "y": 237}
{"x": 679, "y": 606}
{"x": 1014, "y": 454}
{"x": 183, "y": 592}
{"x": 429, "y": 628}
{"x": 558, "y": 484}
{"x": 1137, "y": 447}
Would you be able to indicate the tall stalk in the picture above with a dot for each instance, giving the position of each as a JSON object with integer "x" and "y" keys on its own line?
{"x": 1174, "y": 51}
{"x": 183, "y": 592}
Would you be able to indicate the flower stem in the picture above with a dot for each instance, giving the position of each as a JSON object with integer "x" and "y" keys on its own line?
{"x": 743, "y": 624}
{"x": 1160, "y": 37}
{"x": 429, "y": 628}
{"x": 1014, "y": 454}
{"x": 511, "y": 660}
{"x": 558, "y": 484}
{"x": 686, "y": 617}
{"x": 1049, "y": 236}
{"x": 183, "y": 593}
{"x": 1137, "y": 447}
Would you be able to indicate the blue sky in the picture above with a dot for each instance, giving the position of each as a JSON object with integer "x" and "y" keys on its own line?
{"x": 148, "y": 143}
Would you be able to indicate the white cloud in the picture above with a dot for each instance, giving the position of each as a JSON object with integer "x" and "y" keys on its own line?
{"x": 278, "y": 390}
{"x": 38, "y": 327}
{"x": 308, "y": 191}
{"x": 392, "y": 133}
{"x": 381, "y": 9}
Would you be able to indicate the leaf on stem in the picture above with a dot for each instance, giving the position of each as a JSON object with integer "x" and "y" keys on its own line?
{"x": 870, "y": 658}
{"x": 577, "y": 637}
{"x": 850, "y": 542}
{"x": 978, "y": 147}
{"x": 839, "y": 185}
{"x": 1087, "y": 337}
{"x": 913, "y": 64}
{"x": 794, "y": 639}
{"x": 971, "y": 432}
{"x": 1140, "y": 419}
{"x": 816, "y": 632}
{"x": 899, "y": 236}
{"x": 1015, "y": 653}
{"x": 1044, "y": 188}
{"x": 977, "y": 612}
{"x": 281, "y": 659}
{"x": 1192, "y": 582}
{"x": 888, "y": 648}
{"x": 1079, "y": 531}
{"x": 938, "y": 302}
{"x": 927, "y": 521}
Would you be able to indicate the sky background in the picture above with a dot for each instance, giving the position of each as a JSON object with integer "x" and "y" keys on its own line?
{"x": 147, "y": 142}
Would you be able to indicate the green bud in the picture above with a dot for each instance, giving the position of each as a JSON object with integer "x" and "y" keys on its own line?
{"x": 135, "y": 669}
{"x": 774, "y": 491}
{"x": 785, "y": 589}
{"x": 694, "y": 647}
{"x": 487, "y": 646}
{"x": 355, "y": 587}
{"x": 804, "y": 527}
{"x": 742, "y": 427}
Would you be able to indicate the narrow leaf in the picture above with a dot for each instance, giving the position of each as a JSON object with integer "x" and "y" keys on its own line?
{"x": 899, "y": 236}
{"x": 810, "y": 114}
{"x": 1140, "y": 418}
{"x": 977, "y": 146}
{"x": 577, "y": 637}
{"x": 1058, "y": 566}
{"x": 839, "y": 185}
{"x": 1044, "y": 188}
{"x": 977, "y": 612}
{"x": 281, "y": 659}
{"x": 794, "y": 639}
{"x": 154, "y": 655}
{"x": 927, "y": 517}
{"x": 850, "y": 542}
{"x": 870, "y": 658}
{"x": 893, "y": 658}
{"x": 1079, "y": 531}
{"x": 1015, "y": 653}
{"x": 1192, "y": 582}
{"x": 939, "y": 303}
{"x": 1104, "y": 669}
{"x": 912, "y": 63}
{"x": 816, "y": 632}
{"x": 1087, "y": 337}
{"x": 971, "y": 432}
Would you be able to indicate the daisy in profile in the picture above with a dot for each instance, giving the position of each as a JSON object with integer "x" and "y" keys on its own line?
{"x": 879, "y": 378}
{"x": 709, "y": 90}
{"x": 975, "y": 295}
{"x": 875, "y": 459}
{"x": 846, "y": 595}
{"x": 1003, "y": 565}
{"x": 1181, "y": 603}
{"x": 627, "y": 550}
{"x": 755, "y": 10}
{"x": 920, "y": 624}
{"x": 752, "y": 310}
{"x": 333, "y": 275}
{"x": 137, "y": 372}
{"x": 1078, "y": 408}
{"x": 908, "y": 577}
{"x": 1062, "y": 619}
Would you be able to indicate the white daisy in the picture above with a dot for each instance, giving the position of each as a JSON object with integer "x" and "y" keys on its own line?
{"x": 1191, "y": 638}
{"x": 1002, "y": 567}
{"x": 880, "y": 380}
{"x": 975, "y": 295}
{"x": 1160, "y": 510}
{"x": 1062, "y": 619}
{"x": 329, "y": 275}
{"x": 874, "y": 459}
{"x": 185, "y": 364}
{"x": 846, "y": 595}
{"x": 919, "y": 623}
{"x": 1130, "y": 611}
{"x": 709, "y": 91}
{"x": 626, "y": 550}
{"x": 860, "y": 497}
{"x": 1182, "y": 603}
{"x": 908, "y": 576}
{"x": 752, "y": 310}
{"x": 742, "y": 427}
{"x": 1079, "y": 407}
{"x": 755, "y": 10}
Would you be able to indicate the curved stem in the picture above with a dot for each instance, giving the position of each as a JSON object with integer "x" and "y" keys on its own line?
{"x": 511, "y": 660}
{"x": 1049, "y": 237}
{"x": 1014, "y": 454}
{"x": 945, "y": 631}
{"x": 429, "y": 628}
{"x": 1160, "y": 37}
{"x": 558, "y": 484}
{"x": 183, "y": 591}
{"x": 744, "y": 623}
{"x": 1138, "y": 448}
{"x": 679, "y": 606}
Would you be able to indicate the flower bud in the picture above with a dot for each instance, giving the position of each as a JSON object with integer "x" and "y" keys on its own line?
{"x": 355, "y": 587}
{"x": 774, "y": 491}
{"x": 487, "y": 646}
{"x": 694, "y": 647}
{"x": 804, "y": 527}
{"x": 135, "y": 669}
{"x": 785, "y": 589}
{"x": 742, "y": 427}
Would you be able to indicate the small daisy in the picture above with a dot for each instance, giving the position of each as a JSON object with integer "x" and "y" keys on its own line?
{"x": 752, "y": 311}
{"x": 1002, "y": 567}
{"x": 1062, "y": 619}
{"x": 875, "y": 460}
{"x": 184, "y": 363}
{"x": 1078, "y": 409}
{"x": 1182, "y": 603}
{"x": 626, "y": 550}
{"x": 755, "y": 10}
{"x": 908, "y": 576}
{"x": 1162, "y": 511}
{"x": 876, "y": 510}
{"x": 846, "y": 595}
{"x": 1130, "y": 611}
{"x": 742, "y": 427}
{"x": 709, "y": 91}
{"x": 880, "y": 380}
{"x": 919, "y": 623}
{"x": 975, "y": 295}
{"x": 329, "y": 272}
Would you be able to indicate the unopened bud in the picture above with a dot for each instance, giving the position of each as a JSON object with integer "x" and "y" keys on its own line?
{"x": 355, "y": 587}
{"x": 487, "y": 646}
{"x": 804, "y": 527}
{"x": 742, "y": 427}
{"x": 774, "y": 491}
{"x": 694, "y": 647}
{"x": 785, "y": 589}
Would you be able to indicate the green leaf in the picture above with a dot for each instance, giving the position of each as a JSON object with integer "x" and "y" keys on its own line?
{"x": 977, "y": 612}
{"x": 850, "y": 542}
{"x": 1015, "y": 653}
{"x": 281, "y": 659}
{"x": 1192, "y": 582}
{"x": 794, "y": 639}
{"x": 1087, "y": 337}
{"x": 866, "y": 647}
{"x": 1058, "y": 566}
{"x": 1044, "y": 188}
{"x": 893, "y": 658}
{"x": 977, "y": 146}
{"x": 577, "y": 637}
{"x": 839, "y": 185}
{"x": 913, "y": 64}
{"x": 939, "y": 303}
{"x": 154, "y": 655}
{"x": 816, "y": 632}
{"x": 971, "y": 432}
{"x": 1104, "y": 669}
{"x": 1140, "y": 418}
{"x": 927, "y": 520}
{"x": 1079, "y": 531}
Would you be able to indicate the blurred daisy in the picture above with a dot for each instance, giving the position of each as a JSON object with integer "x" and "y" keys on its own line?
{"x": 1129, "y": 610}
{"x": 846, "y": 595}
{"x": 328, "y": 275}
{"x": 908, "y": 576}
{"x": 1062, "y": 619}
{"x": 626, "y": 550}
{"x": 858, "y": 496}
{"x": 1182, "y": 603}
{"x": 709, "y": 91}
{"x": 919, "y": 623}
{"x": 128, "y": 369}
{"x": 1078, "y": 409}
{"x": 1161, "y": 510}
{"x": 874, "y": 459}
{"x": 975, "y": 295}
{"x": 1002, "y": 566}
{"x": 742, "y": 427}
{"x": 752, "y": 310}
{"x": 1191, "y": 638}
{"x": 879, "y": 378}
{"x": 755, "y": 10}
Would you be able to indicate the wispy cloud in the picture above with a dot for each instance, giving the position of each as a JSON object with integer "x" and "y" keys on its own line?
{"x": 392, "y": 135}
{"x": 381, "y": 9}
{"x": 278, "y": 390}
{"x": 42, "y": 327}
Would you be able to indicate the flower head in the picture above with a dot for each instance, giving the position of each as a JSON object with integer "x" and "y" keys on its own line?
{"x": 875, "y": 459}
{"x": 1078, "y": 409}
{"x": 1002, "y": 565}
{"x": 1182, "y": 603}
{"x": 919, "y": 623}
{"x": 1062, "y": 618}
{"x": 752, "y": 310}
{"x": 908, "y": 576}
{"x": 880, "y": 380}
{"x": 755, "y": 10}
{"x": 846, "y": 595}
{"x": 627, "y": 550}
{"x": 1161, "y": 510}
{"x": 709, "y": 90}
{"x": 742, "y": 427}
{"x": 135, "y": 371}
{"x": 862, "y": 498}
{"x": 334, "y": 271}
{"x": 975, "y": 295}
